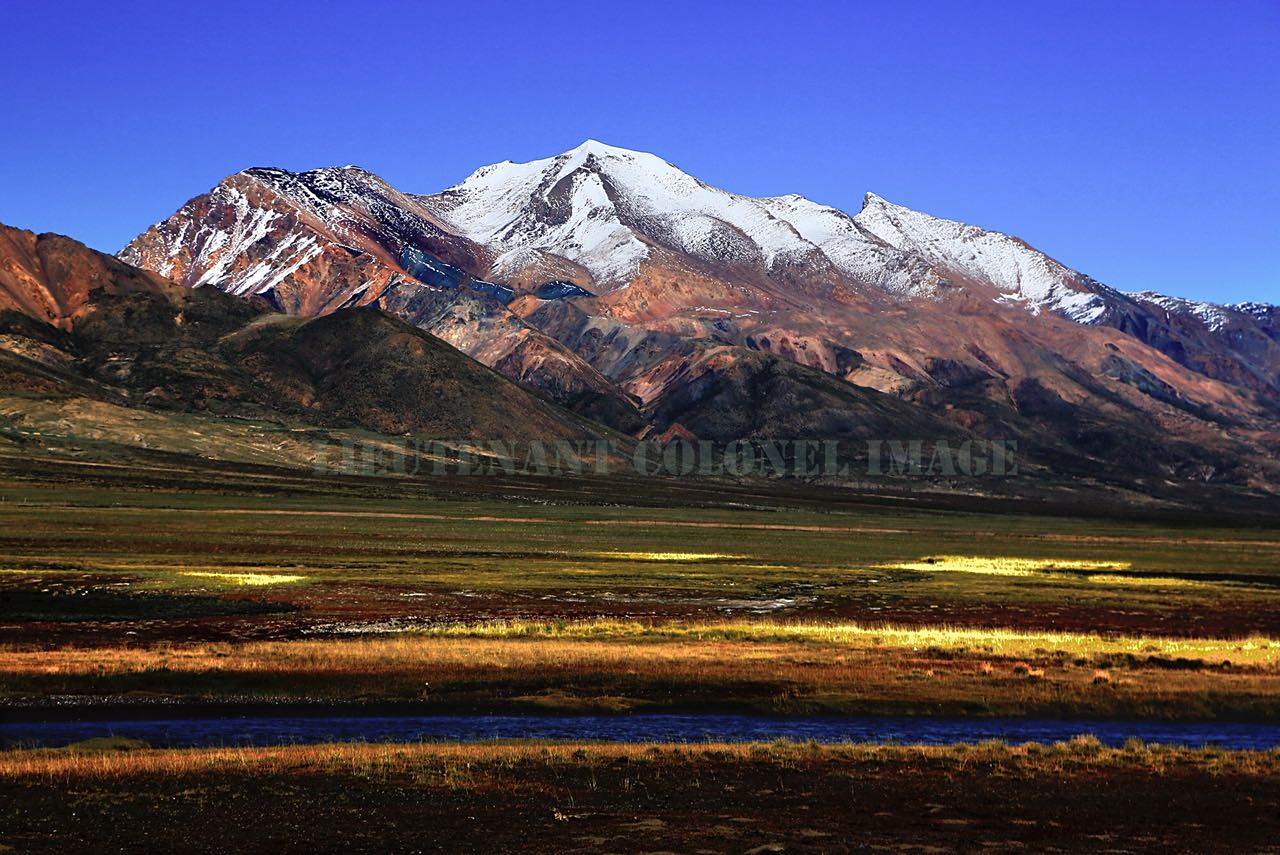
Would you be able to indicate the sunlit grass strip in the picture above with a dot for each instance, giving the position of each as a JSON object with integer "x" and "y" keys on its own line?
{"x": 857, "y": 635}
{"x": 1149, "y": 581}
{"x": 519, "y": 645}
{"x": 1101, "y": 572}
{"x": 664, "y": 556}
{"x": 1004, "y": 566}
{"x": 463, "y": 765}
{"x": 250, "y": 579}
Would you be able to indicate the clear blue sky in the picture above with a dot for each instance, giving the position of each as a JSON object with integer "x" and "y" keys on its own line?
{"x": 1138, "y": 142}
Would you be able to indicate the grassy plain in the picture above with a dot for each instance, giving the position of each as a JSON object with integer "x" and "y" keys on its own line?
{"x": 368, "y": 562}
{"x": 134, "y": 596}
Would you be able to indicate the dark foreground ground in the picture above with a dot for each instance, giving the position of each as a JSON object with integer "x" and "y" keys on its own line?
{"x": 774, "y": 798}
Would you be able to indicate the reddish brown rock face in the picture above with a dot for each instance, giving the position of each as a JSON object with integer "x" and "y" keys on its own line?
{"x": 50, "y": 277}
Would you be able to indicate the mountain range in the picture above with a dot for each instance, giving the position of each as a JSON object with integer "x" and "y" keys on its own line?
{"x": 628, "y": 293}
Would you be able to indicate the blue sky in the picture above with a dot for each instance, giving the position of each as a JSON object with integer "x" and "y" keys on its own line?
{"x": 1138, "y": 142}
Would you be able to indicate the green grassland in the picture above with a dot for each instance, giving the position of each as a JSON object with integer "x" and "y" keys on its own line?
{"x": 527, "y": 559}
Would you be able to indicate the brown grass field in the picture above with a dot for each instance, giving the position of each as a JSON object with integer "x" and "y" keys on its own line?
{"x": 713, "y": 798}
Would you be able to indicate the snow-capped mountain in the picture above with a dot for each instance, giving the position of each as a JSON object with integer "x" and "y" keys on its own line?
{"x": 607, "y": 218}
{"x": 615, "y": 283}
{"x": 609, "y": 210}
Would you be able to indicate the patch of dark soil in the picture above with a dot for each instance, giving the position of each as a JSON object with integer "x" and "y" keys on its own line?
{"x": 688, "y": 803}
{"x": 72, "y": 603}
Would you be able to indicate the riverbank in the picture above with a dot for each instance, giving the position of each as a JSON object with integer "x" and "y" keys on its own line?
{"x": 591, "y": 797}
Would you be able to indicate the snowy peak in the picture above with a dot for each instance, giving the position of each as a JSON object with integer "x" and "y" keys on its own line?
{"x": 870, "y": 200}
{"x": 592, "y": 146}
{"x": 631, "y": 168}
{"x": 606, "y": 209}
{"x": 562, "y": 205}
{"x": 634, "y": 169}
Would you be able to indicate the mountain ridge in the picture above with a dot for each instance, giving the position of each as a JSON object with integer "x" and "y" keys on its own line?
{"x": 618, "y": 271}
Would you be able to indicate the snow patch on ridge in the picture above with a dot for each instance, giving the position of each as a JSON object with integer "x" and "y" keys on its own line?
{"x": 1213, "y": 316}
{"x": 219, "y": 248}
{"x": 1022, "y": 274}
{"x": 285, "y": 259}
{"x": 851, "y": 248}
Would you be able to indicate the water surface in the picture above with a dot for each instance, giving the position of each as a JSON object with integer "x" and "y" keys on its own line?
{"x": 285, "y": 730}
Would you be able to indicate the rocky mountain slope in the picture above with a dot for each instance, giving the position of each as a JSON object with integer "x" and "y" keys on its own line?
{"x": 129, "y": 337}
{"x": 315, "y": 242}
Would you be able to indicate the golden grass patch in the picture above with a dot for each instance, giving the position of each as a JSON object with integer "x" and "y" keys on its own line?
{"x": 1004, "y": 566}
{"x": 1253, "y": 650}
{"x": 457, "y": 763}
{"x": 1149, "y": 581}
{"x": 248, "y": 579}
{"x": 514, "y": 644}
{"x": 664, "y": 556}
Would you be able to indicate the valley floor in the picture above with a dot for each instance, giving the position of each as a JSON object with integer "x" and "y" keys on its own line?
{"x": 122, "y": 594}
